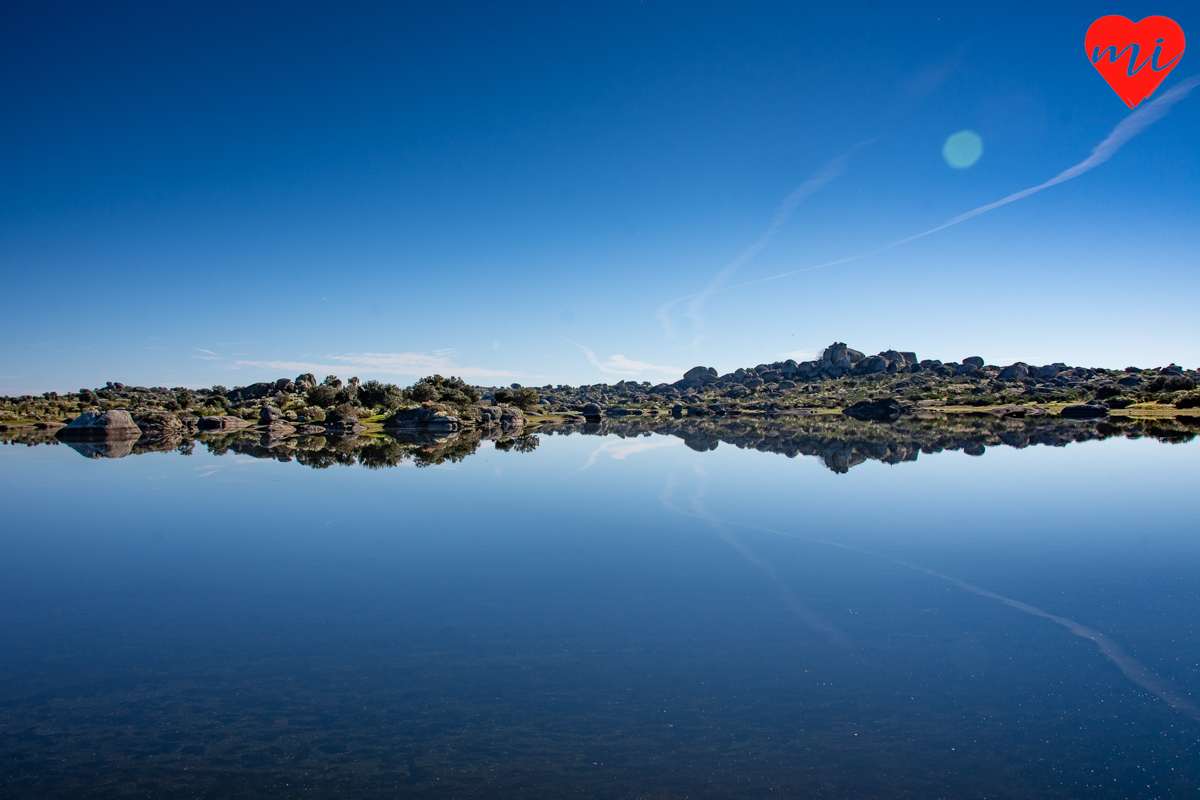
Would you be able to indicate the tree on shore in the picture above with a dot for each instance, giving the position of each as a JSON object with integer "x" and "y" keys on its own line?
{"x": 523, "y": 397}
{"x": 436, "y": 389}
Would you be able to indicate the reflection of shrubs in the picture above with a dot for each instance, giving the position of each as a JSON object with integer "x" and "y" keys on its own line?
{"x": 380, "y": 454}
{"x": 525, "y": 443}
{"x": 436, "y": 389}
{"x": 453, "y": 450}
{"x": 323, "y": 396}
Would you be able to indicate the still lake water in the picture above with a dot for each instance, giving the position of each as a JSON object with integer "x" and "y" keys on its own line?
{"x": 602, "y": 617}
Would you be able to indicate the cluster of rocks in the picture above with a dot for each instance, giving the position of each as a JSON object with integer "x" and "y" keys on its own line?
{"x": 843, "y": 377}
{"x": 881, "y": 387}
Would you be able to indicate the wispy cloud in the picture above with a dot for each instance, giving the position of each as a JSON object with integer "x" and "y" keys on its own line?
{"x": 202, "y": 350}
{"x": 416, "y": 364}
{"x": 1125, "y": 130}
{"x": 797, "y": 355}
{"x": 620, "y": 365}
{"x": 783, "y": 213}
{"x": 622, "y": 449}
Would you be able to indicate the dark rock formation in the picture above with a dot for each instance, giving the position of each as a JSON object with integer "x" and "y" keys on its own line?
{"x": 1015, "y": 372}
{"x": 256, "y": 391}
{"x": 1084, "y": 412}
{"x": 431, "y": 416}
{"x": 503, "y": 416}
{"x": 346, "y": 426}
{"x": 882, "y": 410}
{"x": 704, "y": 374}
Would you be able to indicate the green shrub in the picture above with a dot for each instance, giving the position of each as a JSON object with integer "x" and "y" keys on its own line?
{"x": 387, "y": 396}
{"x": 526, "y": 398}
{"x": 342, "y": 411}
{"x": 436, "y": 389}
{"x": 322, "y": 396}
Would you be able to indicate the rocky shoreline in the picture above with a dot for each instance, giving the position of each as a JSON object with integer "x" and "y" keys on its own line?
{"x": 881, "y": 389}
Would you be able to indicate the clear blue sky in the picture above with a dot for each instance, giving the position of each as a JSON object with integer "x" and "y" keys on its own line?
{"x": 223, "y": 193}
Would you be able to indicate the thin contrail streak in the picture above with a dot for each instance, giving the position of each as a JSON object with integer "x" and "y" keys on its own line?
{"x": 1130, "y": 666}
{"x": 1125, "y": 130}
{"x": 1133, "y": 669}
{"x": 787, "y": 595}
{"x": 784, "y": 212}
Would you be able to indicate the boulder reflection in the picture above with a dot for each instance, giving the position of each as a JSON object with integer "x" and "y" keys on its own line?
{"x": 838, "y": 441}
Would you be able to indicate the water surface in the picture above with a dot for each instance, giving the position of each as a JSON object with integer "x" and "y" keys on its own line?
{"x": 601, "y": 616}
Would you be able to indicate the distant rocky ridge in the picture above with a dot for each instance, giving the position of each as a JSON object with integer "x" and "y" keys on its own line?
{"x": 843, "y": 377}
{"x": 881, "y": 388}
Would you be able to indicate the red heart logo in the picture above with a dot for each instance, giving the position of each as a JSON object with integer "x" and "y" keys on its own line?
{"x": 1134, "y": 57}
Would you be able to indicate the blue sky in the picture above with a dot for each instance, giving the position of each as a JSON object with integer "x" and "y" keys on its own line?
{"x": 537, "y": 192}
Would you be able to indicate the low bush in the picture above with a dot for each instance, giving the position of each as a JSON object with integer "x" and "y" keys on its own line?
{"x": 436, "y": 389}
{"x": 321, "y": 396}
{"x": 386, "y": 396}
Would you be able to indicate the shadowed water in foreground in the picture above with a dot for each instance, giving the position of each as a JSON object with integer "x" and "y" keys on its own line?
{"x": 642, "y": 608}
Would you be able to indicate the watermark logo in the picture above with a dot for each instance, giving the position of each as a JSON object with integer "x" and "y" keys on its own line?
{"x": 1134, "y": 57}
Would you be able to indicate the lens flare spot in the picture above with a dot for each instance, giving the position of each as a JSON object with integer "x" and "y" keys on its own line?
{"x": 962, "y": 149}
